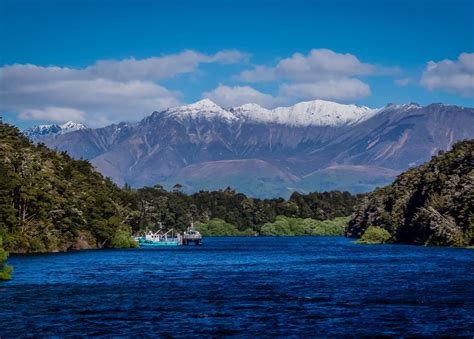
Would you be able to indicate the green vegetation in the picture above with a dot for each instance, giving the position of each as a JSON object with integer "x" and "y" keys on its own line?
{"x": 50, "y": 202}
{"x": 374, "y": 235}
{"x": 227, "y": 212}
{"x": 428, "y": 205}
{"x": 281, "y": 226}
{"x": 5, "y": 270}
{"x": 287, "y": 226}
{"x": 220, "y": 228}
{"x": 122, "y": 239}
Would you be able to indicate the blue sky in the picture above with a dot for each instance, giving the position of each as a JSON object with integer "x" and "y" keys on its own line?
{"x": 107, "y": 61}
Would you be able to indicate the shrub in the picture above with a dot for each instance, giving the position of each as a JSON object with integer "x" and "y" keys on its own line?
{"x": 374, "y": 235}
{"x": 123, "y": 239}
{"x": 5, "y": 270}
{"x": 220, "y": 228}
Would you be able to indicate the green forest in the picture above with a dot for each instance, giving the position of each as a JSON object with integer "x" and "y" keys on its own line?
{"x": 233, "y": 211}
{"x": 50, "y": 202}
{"x": 432, "y": 204}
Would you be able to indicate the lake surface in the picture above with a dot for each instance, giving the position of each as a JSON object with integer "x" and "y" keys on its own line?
{"x": 283, "y": 286}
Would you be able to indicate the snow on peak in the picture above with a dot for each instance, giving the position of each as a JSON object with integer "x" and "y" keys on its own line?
{"x": 72, "y": 126}
{"x": 39, "y": 131}
{"x": 323, "y": 113}
{"x": 253, "y": 112}
{"x": 307, "y": 113}
{"x": 403, "y": 107}
{"x": 201, "y": 109}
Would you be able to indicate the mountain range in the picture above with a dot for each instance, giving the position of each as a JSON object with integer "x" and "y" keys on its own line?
{"x": 40, "y": 131}
{"x": 311, "y": 146}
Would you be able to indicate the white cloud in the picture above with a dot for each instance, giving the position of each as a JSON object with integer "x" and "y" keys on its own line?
{"x": 102, "y": 101}
{"x": 258, "y": 74}
{"x": 319, "y": 64}
{"x": 226, "y": 96}
{"x": 321, "y": 74}
{"x": 451, "y": 76}
{"x": 403, "y": 81}
{"x": 341, "y": 90}
{"x": 107, "y": 91}
{"x": 158, "y": 68}
{"x": 229, "y": 57}
{"x": 52, "y": 114}
{"x": 345, "y": 89}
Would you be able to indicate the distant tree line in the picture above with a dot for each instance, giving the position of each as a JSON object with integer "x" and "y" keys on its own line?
{"x": 177, "y": 210}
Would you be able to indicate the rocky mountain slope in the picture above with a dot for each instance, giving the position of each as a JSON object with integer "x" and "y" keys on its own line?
{"x": 310, "y": 146}
{"x": 432, "y": 204}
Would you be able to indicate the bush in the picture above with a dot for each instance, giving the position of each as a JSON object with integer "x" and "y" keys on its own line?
{"x": 374, "y": 235}
{"x": 280, "y": 227}
{"x": 286, "y": 226}
{"x": 123, "y": 239}
{"x": 5, "y": 270}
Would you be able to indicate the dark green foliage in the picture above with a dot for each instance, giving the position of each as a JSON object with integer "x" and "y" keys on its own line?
{"x": 5, "y": 270}
{"x": 287, "y": 226}
{"x": 51, "y": 202}
{"x": 122, "y": 239}
{"x": 432, "y": 204}
{"x": 177, "y": 210}
{"x": 220, "y": 228}
{"x": 374, "y": 235}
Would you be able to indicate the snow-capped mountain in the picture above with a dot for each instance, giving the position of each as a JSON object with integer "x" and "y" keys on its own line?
{"x": 310, "y": 146}
{"x": 203, "y": 109}
{"x": 36, "y": 132}
{"x": 308, "y": 113}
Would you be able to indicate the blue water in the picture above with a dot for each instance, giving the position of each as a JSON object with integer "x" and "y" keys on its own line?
{"x": 301, "y": 286}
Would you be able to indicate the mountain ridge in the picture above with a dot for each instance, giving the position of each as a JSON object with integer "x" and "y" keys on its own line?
{"x": 305, "y": 113}
{"x": 39, "y": 131}
{"x": 161, "y": 147}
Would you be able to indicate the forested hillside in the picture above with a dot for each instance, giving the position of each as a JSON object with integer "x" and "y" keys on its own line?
{"x": 51, "y": 202}
{"x": 432, "y": 204}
